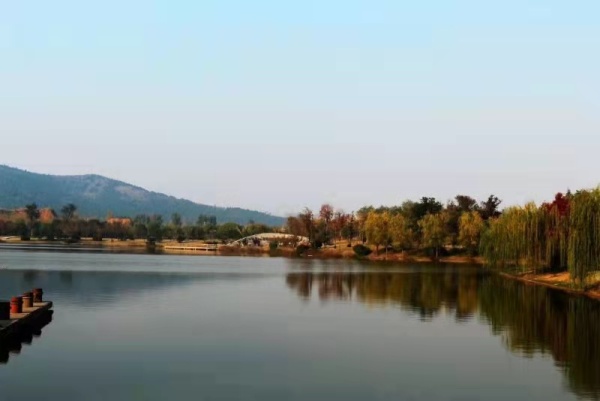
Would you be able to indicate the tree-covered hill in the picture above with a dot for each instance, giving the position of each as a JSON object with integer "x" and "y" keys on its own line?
{"x": 97, "y": 196}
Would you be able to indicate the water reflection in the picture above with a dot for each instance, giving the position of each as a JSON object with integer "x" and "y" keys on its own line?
{"x": 426, "y": 294}
{"x": 529, "y": 319}
{"x": 99, "y": 288}
{"x": 27, "y": 336}
{"x": 79, "y": 247}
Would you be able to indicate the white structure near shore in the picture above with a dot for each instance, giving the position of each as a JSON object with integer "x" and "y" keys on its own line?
{"x": 266, "y": 238}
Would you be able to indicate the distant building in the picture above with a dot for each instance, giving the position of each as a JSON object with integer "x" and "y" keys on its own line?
{"x": 47, "y": 215}
{"x": 122, "y": 221}
{"x": 14, "y": 215}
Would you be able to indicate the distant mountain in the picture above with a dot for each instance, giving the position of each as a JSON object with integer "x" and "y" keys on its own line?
{"x": 96, "y": 196}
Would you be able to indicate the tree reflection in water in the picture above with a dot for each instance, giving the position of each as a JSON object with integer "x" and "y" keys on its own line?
{"x": 530, "y": 319}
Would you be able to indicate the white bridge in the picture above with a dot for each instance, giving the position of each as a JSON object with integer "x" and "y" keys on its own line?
{"x": 265, "y": 238}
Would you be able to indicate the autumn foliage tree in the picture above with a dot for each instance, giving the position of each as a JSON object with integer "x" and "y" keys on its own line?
{"x": 470, "y": 227}
{"x": 400, "y": 232}
{"x": 377, "y": 229}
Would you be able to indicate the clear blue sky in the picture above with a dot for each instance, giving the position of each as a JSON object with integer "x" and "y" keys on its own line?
{"x": 277, "y": 105}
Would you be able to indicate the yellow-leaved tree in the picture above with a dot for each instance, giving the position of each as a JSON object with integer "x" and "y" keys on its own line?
{"x": 399, "y": 231}
{"x": 434, "y": 231}
{"x": 377, "y": 229}
{"x": 470, "y": 226}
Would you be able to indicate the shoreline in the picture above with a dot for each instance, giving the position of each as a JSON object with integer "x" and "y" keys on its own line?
{"x": 556, "y": 281}
{"x": 191, "y": 248}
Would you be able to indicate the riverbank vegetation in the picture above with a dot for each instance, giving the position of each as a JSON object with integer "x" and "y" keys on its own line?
{"x": 66, "y": 225}
{"x": 561, "y": 236}
{"x": 558, "y": 236}
{"x": 423, "y": 228}
{"x": 555, "y": 237}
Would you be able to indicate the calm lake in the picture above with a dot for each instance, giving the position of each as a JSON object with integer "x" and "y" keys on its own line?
{"x": 157, "y": 327}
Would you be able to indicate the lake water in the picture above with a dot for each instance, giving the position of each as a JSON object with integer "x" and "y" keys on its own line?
{"x": 156, "y": 327}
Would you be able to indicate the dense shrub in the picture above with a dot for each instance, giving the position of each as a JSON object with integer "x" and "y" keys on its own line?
{"x": 361, "y": 250}
{"x": 302, "y": 249}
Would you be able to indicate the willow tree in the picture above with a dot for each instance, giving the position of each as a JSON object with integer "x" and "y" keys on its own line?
{"x": 517, "y": 237}
{"x": 584, "y": 235}
{"x": 557, "y": 231}
{"x": 470, "y": 225}
{"x": 535, "y": 236}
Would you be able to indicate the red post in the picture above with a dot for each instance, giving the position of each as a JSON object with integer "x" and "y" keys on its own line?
{"x": 16, "y": 305}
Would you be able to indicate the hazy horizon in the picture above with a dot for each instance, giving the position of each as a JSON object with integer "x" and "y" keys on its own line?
{"x": 274, "y": 107}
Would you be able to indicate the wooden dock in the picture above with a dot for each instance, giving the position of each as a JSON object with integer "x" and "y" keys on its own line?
{"x": 20, "y": 323}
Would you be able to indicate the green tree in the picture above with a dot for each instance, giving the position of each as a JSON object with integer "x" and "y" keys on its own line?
{"x": 22, "y": 230}
{"x": 229, "y": 231}
{"x": 207, "y": 221}
{"x": 584, "y": 238}
{"x": 33, "y": 214}
{"x": 434, "y": 231}
{"x": 255, "y": 228}
{"x": 176, "y": 220}
{"x": 176, "y": 229}
{"x": 465, "y": 203}
{"x": 155, "y": 227}
{"x": 140, "y": 226}
{"x": 68, "y": 211}
{"x": 415, "y": 211}
{"x": 427, "y": 206}
{"x": 377, "y": 229}
{"x": 194, "y": 232}
{"x": 70, "y": 226}
{"x": 50, "y": 231}
{"x": 490, "y": 208}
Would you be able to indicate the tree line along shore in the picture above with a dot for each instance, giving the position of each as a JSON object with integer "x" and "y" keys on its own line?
{"x": 557, "y": 241}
